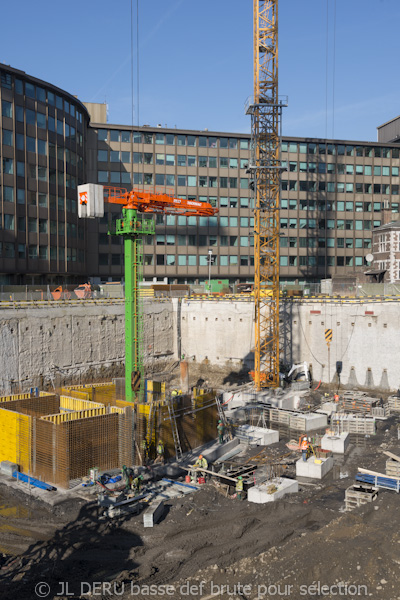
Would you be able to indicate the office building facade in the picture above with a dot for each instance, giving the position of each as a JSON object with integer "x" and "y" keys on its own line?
{"x": 43, "y": 146}
{"x": 333, "y": 194}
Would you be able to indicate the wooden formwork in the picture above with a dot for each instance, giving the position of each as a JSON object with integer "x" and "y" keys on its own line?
{"x": 357, "y": 495}
{"x": 392, "y": 468}
{"x": 277, "y": 415}
{"x": 292, "y": 420}
{"x": 59, "y": 446}
{"x": 353, "y": 424}
{"x": 66, "y": 450}
{"x": 394, "y": 403}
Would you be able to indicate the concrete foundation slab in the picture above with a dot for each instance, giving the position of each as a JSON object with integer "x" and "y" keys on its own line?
{"x": 313, "y": 470}
{"x": 337, "y": 444}
{"x": 257, "y": 436}
{"x": 259, "y": 494}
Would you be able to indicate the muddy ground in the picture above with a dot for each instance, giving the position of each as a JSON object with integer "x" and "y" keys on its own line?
{"x": 303, "y": 540}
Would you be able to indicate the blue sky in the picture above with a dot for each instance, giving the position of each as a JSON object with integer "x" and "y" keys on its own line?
{"x": 196, "y": 65}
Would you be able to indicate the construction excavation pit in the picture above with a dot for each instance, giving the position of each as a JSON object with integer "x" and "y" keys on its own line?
{"x": 208, "y": 493}
{"x": 189, "y": 438}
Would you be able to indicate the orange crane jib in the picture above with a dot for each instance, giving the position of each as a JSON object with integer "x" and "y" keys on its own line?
{"x": 152, "y": 202}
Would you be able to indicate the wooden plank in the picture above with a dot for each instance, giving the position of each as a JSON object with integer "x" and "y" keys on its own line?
{"x": 384, "y": 475}
{"x": 221, "y": 475}
{"x": 391, "y": 455}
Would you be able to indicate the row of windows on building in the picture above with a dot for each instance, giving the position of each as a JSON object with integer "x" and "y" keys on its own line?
{"x": 35, "y": 225}
{"x": 41, "y": 147}
{"x": 31, "y": 117}
{"x": 322, "y": 242}
{"x": 180, "y": 260}
{"x": 171, "y": 160}
{"x": 39, "y": 199}
{"x": 40, "y": 94}
{"x": 39, "y": 173}
{"x": 321, "y": 261}
{"x": 340, "y": 169}
{"x": 347, "y": 224}
{"x": 339, "y": 187}
{"x": 171, "y": 139}
{"x": 34, "y": 252}
{"x": 339, "y": 150}
{"x": 234, "y": 241}
{"x": 162, "y": 179}
{"x": 333, "y": 205}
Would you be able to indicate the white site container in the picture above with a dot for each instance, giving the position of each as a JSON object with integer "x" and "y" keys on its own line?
{"x": 90, "y": 201}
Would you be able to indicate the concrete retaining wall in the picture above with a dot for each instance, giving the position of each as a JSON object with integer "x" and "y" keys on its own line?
{"x": 68, "y": 343}
{"x": 71, "y": 343}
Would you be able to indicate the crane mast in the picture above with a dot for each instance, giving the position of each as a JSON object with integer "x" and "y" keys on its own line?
{"x": 265, "y": 168}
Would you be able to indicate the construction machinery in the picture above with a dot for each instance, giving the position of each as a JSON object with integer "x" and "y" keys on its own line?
{"x": 265, "y": 109}
{"x": 137, "y": 221}
{"x": 83, "y": 291}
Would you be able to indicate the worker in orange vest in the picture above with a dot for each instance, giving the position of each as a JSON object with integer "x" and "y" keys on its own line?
{"x": 336, "y": 397}
{"x": 304, "y": 448}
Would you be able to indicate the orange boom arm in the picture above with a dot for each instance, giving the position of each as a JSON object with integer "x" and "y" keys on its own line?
{"x": 152, "y": 202}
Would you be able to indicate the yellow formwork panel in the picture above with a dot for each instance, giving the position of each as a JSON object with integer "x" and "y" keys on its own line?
{"x": 23, "y": 396}
{"x": 14, "y": 397}
{"x": 83, "y": 387}
{"x": 75, "y": 393}
{"x": 123, "y": 404}
{"x": 73, "y": 416}
{"x": 8, "y": 435}
{"x": 116, "y": 409}
{"x": 70, "y": 403}
{"x": 24, "y": 443}
{"x": 15, "y": 438}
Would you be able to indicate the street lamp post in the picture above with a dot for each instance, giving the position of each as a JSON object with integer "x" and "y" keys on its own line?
{"x": 209, "y": 270}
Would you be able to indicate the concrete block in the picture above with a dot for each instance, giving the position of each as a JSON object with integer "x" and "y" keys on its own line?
{"x": 313, "y": 470}
{"x": 153, "y": 514}
{"x": 257, "y": 436}
{"x": 7, "y": 467}
{"x": 217, "y": 450}
{"x": 259, "y": 494}
{"x": 291, "y": 402}
{"x": 328, "y": 408}
{"x": 337, "y": 444}
{"x": 315, "y": 421}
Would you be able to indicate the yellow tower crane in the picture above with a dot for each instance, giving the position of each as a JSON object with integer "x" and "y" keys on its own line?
{"x": 265, "y": 168}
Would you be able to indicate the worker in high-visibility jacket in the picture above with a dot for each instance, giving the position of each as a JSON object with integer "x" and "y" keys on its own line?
{"x": 239, "y": 488}
{"x": 201, "y": 463}
{"x": 145, "y": 451}
{"x": 304, "y": 448}
{"x": 127, "y": 474}
{"x": 136, "y": 484}
{"x": 160, "y": 452}
{"x": 221, "y": 431}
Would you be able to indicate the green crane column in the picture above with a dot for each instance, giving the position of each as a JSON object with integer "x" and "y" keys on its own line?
{"x": 132, "y": 226}
{"x": 132, "y": 365}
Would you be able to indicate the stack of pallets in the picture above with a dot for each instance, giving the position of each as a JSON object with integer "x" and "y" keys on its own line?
{"x": 356, "y": 495}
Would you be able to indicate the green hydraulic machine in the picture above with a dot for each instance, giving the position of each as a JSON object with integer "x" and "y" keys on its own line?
{"x": 136, "y": 223}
